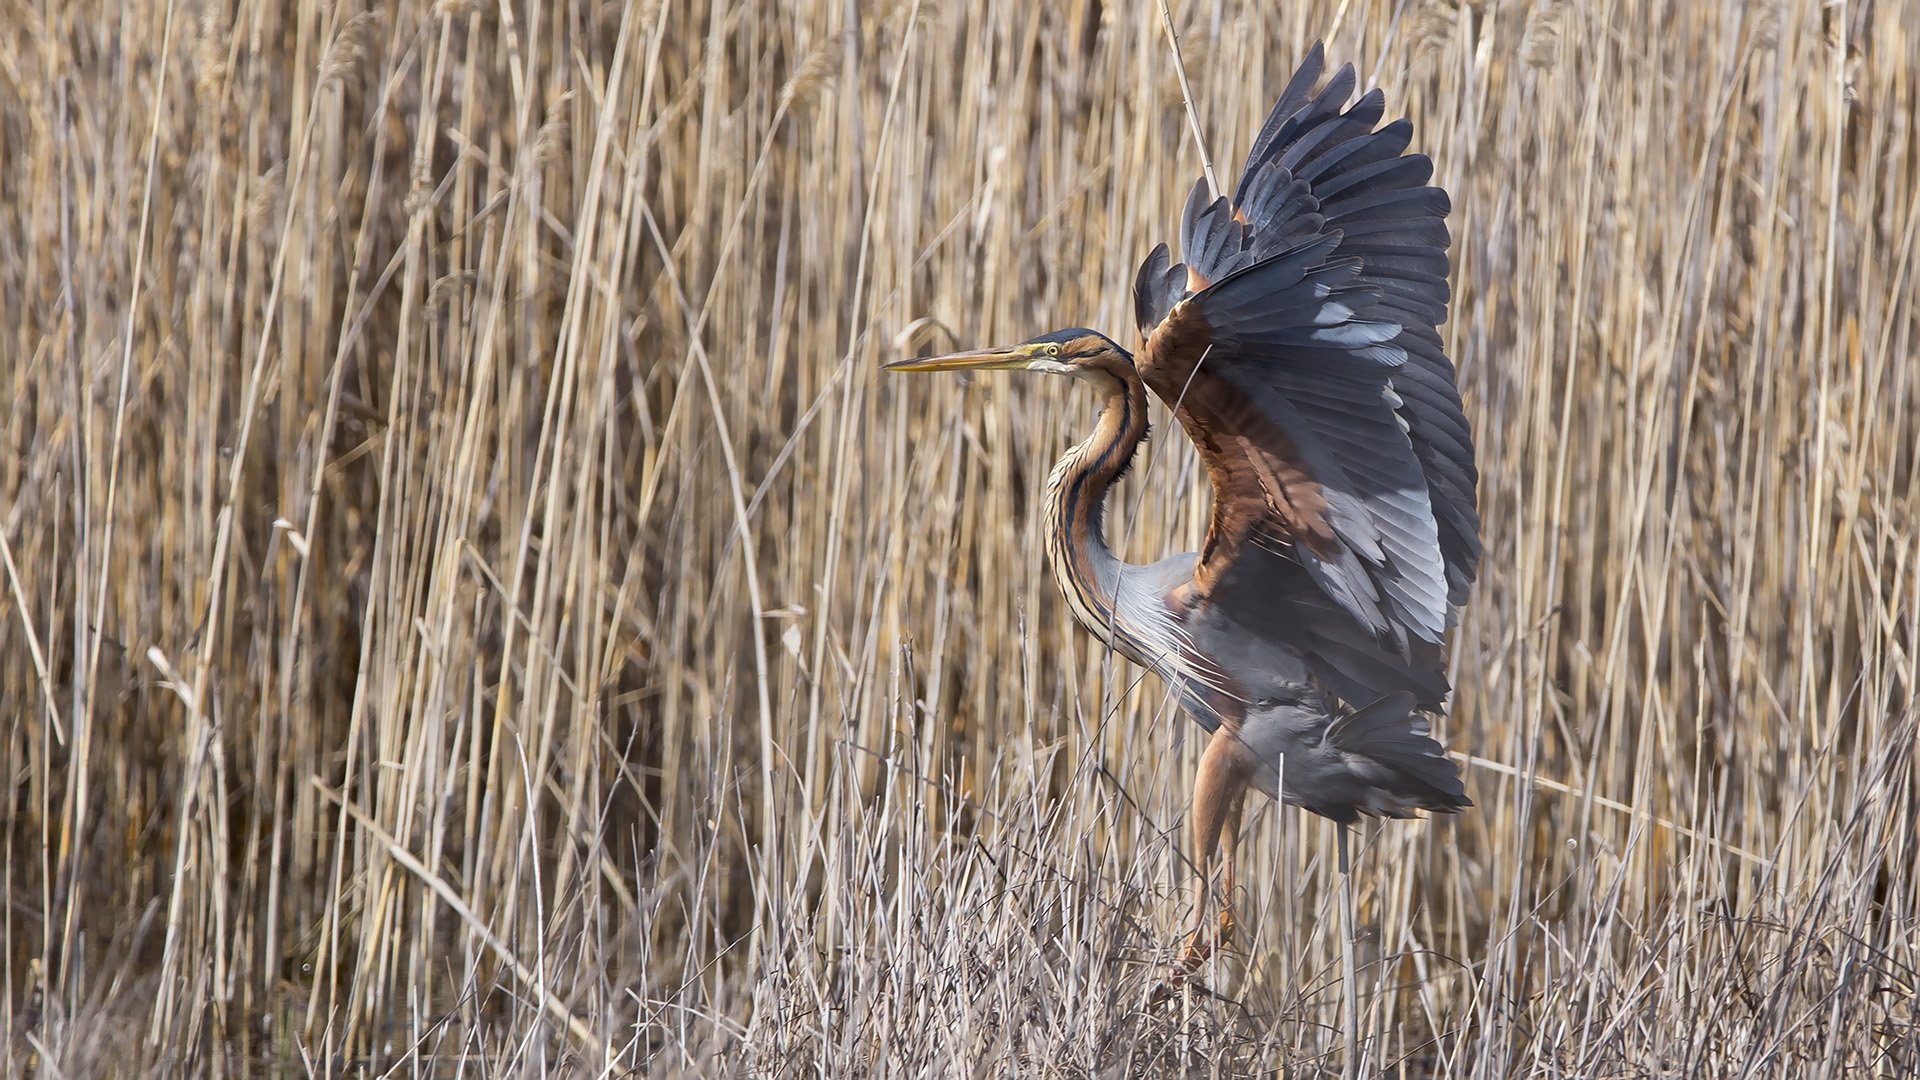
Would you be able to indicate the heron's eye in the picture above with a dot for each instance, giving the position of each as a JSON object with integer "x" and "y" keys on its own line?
{"x": 1053, "y": 350}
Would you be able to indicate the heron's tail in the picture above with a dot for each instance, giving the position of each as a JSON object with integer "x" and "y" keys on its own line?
{"x": 1392, "y": 733}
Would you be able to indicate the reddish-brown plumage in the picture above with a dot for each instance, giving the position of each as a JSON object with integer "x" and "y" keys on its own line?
{"x": 1260, "y": 483}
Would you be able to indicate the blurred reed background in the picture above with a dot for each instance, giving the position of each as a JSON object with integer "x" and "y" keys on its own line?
{"x": 472, "y": 606}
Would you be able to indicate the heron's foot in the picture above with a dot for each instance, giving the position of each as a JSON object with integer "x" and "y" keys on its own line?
{"x": 1201, "y": 947}
{"x": 1178, "y": 979}
{"x": 1192, "y": 961}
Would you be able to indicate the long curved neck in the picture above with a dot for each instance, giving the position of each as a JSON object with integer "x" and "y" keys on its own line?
{"x": 1086, "y": 568}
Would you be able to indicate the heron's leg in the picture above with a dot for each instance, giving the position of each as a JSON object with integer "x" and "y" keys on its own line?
{"x": 1230, "y": 878}
{"x": 1217, "y": 794}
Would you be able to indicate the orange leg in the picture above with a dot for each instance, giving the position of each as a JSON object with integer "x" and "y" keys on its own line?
{"x": 1229, "y": 883}
{"x": 1219, "y": 795}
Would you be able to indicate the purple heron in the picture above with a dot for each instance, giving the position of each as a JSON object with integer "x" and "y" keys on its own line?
{"x": 1298, "y": 347}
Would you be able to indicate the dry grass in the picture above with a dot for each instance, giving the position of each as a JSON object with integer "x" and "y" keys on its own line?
{"x": 471, "y": 607}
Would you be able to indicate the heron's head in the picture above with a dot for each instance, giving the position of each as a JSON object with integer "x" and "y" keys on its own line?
{"x": 1079, "y": 352}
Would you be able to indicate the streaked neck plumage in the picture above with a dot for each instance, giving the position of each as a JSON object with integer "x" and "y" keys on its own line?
{"x": 1086, "y": 568}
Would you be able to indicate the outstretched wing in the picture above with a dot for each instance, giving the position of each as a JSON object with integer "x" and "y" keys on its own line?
{"x": 1298, "y": 346}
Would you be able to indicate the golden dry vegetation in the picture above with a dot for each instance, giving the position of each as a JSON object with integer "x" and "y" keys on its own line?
{"x": 471, "y": 606}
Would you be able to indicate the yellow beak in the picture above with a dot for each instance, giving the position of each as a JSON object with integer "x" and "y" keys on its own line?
{"x": 1014, "y": 358}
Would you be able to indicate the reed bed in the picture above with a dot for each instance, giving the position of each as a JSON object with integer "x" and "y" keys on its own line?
{"x": 471, "y": 606}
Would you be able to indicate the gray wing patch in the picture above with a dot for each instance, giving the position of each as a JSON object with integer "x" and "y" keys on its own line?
{"x": 1346, "y": 430}
{"x": 1271, "y": 596}
{"x": 1444, "y": 445}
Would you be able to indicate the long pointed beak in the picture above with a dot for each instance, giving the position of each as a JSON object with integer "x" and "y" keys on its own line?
{"x": 1017, "y": 357}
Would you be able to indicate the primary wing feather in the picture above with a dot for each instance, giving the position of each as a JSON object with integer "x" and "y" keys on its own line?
{"x": 1298, "y": 346}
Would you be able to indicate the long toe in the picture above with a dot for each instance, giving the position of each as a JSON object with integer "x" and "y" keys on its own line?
{"x": 1200, "y": 948}
{"x": 1202, "y": 945}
